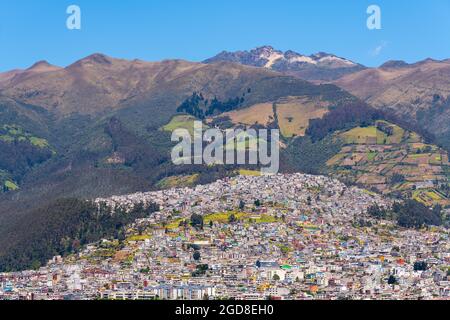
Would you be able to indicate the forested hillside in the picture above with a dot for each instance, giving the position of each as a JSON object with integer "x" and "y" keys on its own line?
{"x": 61, "y": 228}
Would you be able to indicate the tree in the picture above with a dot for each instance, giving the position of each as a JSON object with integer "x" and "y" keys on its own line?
{"x": 211, "y": 224}
{"x": 392, "y": 280}
{"x": 396, "y": 179}
{"x": 257, "y": 203}
{"x": 232, "y": 218}
{"x": 276, "y": 277}
{"x": 197, "y": 256}
{"x": 241, "y": 205}
{"x": 196, "y": 220}
{"x": 35, "y": 265}
{"x": 420, "y": 266}
{"x": 377, "y": 212}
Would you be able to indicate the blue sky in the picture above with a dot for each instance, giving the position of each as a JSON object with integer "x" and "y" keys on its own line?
{"x": 198, "y": 29}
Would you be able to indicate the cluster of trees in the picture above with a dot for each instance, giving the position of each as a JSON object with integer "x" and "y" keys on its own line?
{"x": 223, "y": 122}
{"x": 409, "y": 214}
{"x": 413, "y": 214}
{"x": 305, "y": 155}
{"x": 392, "y": 280}
{"x": 200, "y": 107}
{"x": 62, "y": 228}
{"x": 197, "y": 221}
{"x": 420, "y": 266}
{"x": 218, "y": 107}
{"x": 343, "y": 117}
{"x": 397, "y": 178}
{"x": 386, "y": 128}
{"x": 192, "y": 105}
{"x": 377, "y": 212}
{"x": 200, "y": 270}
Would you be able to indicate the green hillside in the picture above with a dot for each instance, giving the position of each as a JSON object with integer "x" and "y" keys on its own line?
{"x": 398, "y": 163}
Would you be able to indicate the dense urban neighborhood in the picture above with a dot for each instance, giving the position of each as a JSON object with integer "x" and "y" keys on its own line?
{"x": 250, "y": 237}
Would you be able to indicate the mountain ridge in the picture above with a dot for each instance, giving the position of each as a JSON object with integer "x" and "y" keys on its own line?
{"x": 417, "y": 92}
{"x": 318, "y": 66}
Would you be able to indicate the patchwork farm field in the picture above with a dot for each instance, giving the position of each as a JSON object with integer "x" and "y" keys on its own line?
{"x": 430, "y": 197}
{"x": 392, "y": 161}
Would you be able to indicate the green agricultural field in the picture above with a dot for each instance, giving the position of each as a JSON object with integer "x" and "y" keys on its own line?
{"x": 224, "y": 217}
{"x": 11, "y": 133}
{"x": 178, "y": 181}
{"x": 368, "y": 135}
{"x": 138, "y": 238}
{"x": 182, "y": 122}
{"x": 372, "y": 155}
{"x": 372, "y": 135}
{"x": 430, "y": 197}
{"x": 7, "y": 139}
{"x": 265, "y": 218}
{"x": 252, "y": 173}
{"x": 11, "y": 186}
{"x": 434, "y": 195}
{"x": 418, "y": 156}
{"x": 174, "y": 224}
{"x": 38, "y": 142}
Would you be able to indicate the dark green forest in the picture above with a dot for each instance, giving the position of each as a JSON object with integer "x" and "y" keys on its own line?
{"x": 62, "y": 228}
{"x": 410, "y": 214}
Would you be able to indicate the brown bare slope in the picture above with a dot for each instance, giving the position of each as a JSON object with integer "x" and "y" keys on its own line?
{"x": 418, "y": 92}
{"x": 91, "y": 85}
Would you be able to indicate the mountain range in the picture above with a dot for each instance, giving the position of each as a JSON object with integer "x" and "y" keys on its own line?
{"x": 101, "y": 126}
{"x": 417, "y": 92}
{"x": 319, "y": 66}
